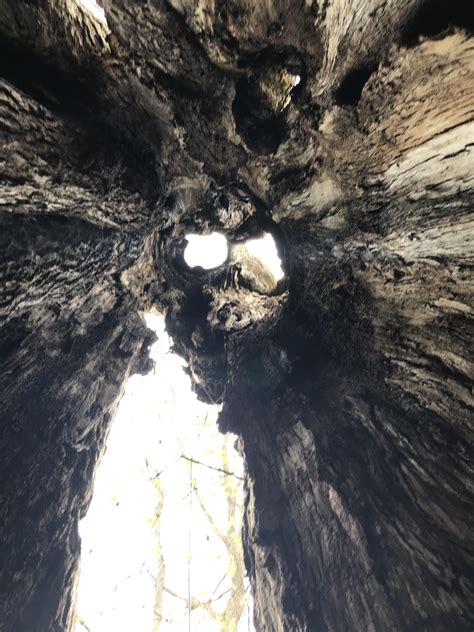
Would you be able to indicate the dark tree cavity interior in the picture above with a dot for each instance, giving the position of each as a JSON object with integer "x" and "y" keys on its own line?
{"x": 345, "y": 129}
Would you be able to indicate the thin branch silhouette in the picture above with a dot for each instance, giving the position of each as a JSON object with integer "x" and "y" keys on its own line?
{"x": 211, "y": 467}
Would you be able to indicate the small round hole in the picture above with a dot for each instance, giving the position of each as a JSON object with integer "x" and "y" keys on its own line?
{"x": 207, "y": 251}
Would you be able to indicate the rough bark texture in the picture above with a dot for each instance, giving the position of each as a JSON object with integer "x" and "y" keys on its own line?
{"x": 346, "y": 128}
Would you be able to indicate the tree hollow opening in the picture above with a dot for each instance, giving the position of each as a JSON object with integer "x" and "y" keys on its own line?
{"x": 206, "y": 251}
{"x": 161, "y": 543}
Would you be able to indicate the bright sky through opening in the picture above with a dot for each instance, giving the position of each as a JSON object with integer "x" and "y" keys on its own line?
{"x": 264, "y": 248}
{"x": 210, "y": 251}
{"x": 127, "y": 541}
{"x": 207, "y": 251}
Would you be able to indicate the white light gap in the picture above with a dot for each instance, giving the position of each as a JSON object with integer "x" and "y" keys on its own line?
{"x": 158, "y": 521}
{"x": 264, "y": 248}
{"x": 207, "y": 251}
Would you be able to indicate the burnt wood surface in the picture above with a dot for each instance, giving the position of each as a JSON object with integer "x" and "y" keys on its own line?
{"x": 346, "y": 129}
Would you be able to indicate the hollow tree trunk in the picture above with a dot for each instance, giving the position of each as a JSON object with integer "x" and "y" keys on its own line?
{"x": 345, "y": 128}
{"x": 68, "y": 341}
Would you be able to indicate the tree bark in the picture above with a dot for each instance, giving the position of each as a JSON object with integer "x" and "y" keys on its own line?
{"x": 69, "y": 338}
{"x": 347, "y": 130}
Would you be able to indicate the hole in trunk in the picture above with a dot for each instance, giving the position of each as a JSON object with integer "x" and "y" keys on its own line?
{"x": 437, "y": 18}
{"x": 265, "y": 250}
{"x": 206, "y": 251}
{"x": 352, "y": 85}
{"x": 261, "y": 135}
{"x": 158, "y": 541}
